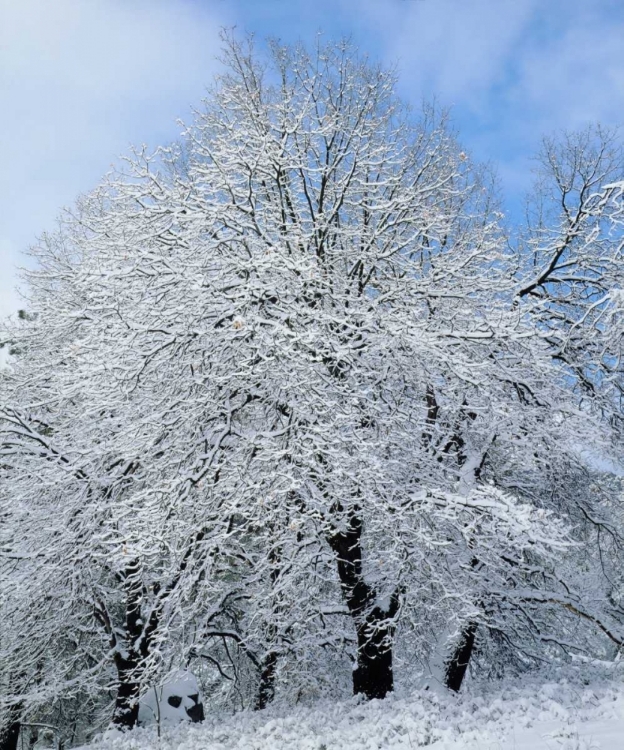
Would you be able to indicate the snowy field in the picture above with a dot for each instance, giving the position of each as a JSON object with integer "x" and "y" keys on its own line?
{"x": 557, "y": 716}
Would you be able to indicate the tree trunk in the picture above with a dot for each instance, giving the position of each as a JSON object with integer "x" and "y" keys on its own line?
{"x": 457, "y": 665}
{"x": 373, "y": 676}
{"x": 126, "y": 714}
{"x": 9, "y": 735}
{"x": 138, "y": 639}
{"x": 266, "y": 689}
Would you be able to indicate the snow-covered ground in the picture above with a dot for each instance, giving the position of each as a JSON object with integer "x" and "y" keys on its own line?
{"x": 562, "y": 715}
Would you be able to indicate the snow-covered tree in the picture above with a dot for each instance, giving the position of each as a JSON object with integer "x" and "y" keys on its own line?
{"x": 281, "y": 392}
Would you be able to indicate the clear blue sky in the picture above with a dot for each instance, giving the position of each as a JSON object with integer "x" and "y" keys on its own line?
{"x": 81, "y": 80}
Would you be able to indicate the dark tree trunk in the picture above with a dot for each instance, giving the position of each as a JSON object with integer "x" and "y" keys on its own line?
{"x": 266, "y": 689}
{"x": 457, "y": 665}
{"x": 374, "y": 626}
{"x": 373, "y": 676}
{"x": 126, "y": 714}
{"x": 268, "y": 666}
{"x": 138, "y": 639}
{"x": 10, "y": 734}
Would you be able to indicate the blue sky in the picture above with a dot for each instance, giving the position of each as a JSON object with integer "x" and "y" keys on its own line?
{"x": 81, "y": 80}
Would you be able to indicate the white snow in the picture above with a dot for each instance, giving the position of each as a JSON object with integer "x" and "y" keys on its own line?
{"x": 553, "y": 716}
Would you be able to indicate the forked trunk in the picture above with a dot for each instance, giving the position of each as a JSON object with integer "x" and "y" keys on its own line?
{"x": 374, "y": 625}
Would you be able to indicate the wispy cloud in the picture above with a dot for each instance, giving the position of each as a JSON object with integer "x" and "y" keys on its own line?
{"x": 80, "y": 80}
{"x": 513, "y": 70}
{"x": 456, "y": 50}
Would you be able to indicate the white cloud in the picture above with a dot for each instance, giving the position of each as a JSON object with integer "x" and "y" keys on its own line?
{"x": 455, "y": 49}
{"x": 80, "y": 80}
{"x": 514, "y": 70}
{"x": 563, "y": 59}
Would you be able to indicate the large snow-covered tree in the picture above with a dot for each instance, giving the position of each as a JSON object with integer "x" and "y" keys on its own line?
{"x": 284, "y": 387}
